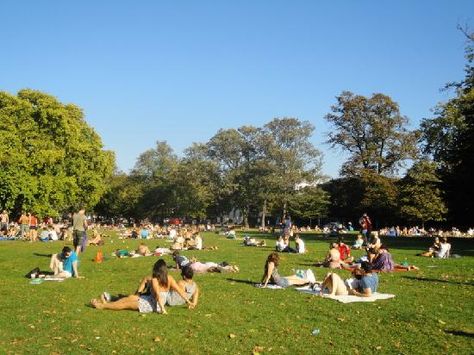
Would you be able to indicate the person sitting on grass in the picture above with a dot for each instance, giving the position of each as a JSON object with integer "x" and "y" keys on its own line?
{"x": 271, "y": 275}
{"x": 333, "y": 258}
{"x": 444, "y": 249}
{"x": 300, "y": 247}
{"x": 161, "y": 284}
{"x": 283, "y": 245}
{"x": 96, "y": 239}
{"x": 367, "y": 282}
{"x": 189, "y": 287}
{"x": 344, "y": 251}
{"x": 64, "y": 264}
{"x": 433, "y": 250}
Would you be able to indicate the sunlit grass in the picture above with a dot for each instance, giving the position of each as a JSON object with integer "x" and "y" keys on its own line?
{"x": 433, "y": 310}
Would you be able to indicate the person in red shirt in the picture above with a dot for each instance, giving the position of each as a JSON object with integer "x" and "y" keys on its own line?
{"x": 345, "y": 251}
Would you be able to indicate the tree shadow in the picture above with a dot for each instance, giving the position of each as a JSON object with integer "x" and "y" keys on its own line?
{"x": 460, "y": 333}
{"x": 45, "y": 255}
{"x": 248, "y": 282}
{"x": 427, "y": 279}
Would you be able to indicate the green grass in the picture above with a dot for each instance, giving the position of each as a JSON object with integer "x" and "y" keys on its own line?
{"x": 433, "y": 310}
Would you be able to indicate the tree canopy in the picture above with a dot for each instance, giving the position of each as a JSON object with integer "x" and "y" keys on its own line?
{"x": 51, "y": 159}
{"x": 372, "y": 131}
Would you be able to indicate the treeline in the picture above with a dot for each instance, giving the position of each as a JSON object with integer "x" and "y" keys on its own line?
{"x": 51, "y": 162}
{"x": 257, "y": 170}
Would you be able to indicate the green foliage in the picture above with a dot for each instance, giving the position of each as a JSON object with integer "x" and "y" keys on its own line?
{"x": 309, "y": 203}
{"x": 420, "y": 195}
{"x": 51, "y": 159}
{"x": 372, "y": 131}
{"x": 449, "y": 139}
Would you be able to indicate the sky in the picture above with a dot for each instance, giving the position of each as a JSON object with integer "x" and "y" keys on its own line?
{"x": 178, "y": 71}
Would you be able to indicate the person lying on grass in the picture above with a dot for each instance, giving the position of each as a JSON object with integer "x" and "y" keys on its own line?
{"x": 433, "y": 249}
{"x": 382, "y": 261}
{"x": 367, "y": 284}
{"x": 252, "y": 242}
{"x": 199, "y": 267}
{"x": 271, "y": 275}
{"x": 161, "y": 285}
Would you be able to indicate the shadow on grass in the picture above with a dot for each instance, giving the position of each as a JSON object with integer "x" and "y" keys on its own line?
{"x": 45, "y": 255}
{"x": 307, "y": 264}
{"x": 460, "y": 333}
{"x": 248, "y": 282}
{"x": 438, "y": 280}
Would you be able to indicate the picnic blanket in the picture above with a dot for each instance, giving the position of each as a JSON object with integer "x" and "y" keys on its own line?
{"x": 346, "y": 298}
{"x": 270, "y": 286}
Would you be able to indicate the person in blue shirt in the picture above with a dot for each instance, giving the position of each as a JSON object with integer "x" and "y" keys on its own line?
{"x": 64, "y": 264}
{"x": 366, "y": 282}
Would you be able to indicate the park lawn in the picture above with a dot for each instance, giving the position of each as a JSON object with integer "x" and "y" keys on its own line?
{"x": 433, "y": 310}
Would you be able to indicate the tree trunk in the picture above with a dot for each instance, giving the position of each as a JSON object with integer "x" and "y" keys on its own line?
{"x": 246, "y": 217}
{"x": 264, "y": 214}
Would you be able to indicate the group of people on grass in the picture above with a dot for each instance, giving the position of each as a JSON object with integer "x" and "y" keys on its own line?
{"x": 158, "y": 290}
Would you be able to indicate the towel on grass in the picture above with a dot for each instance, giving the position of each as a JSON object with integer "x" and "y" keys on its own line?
{"x": 270, "y": 286}
{"x": 346, "y": 298}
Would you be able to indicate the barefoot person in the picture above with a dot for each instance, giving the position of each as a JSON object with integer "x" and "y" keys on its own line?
{"x": 271, "y": 275}
{"x": 64, "y": 264}
{"x": 367, "y": 284}
{"x": 161, "y": 284}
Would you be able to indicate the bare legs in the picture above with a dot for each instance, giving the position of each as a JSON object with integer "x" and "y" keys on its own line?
{"x": 295, "y": 280}
{"x": 334, "y": 284}
{"x": 129, "y": 302}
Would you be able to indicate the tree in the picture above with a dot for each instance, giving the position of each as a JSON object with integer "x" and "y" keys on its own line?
{"x": 373, "y": 132}
{"x": 122, "y": 197}
{"x": 309, "y": 203}
{"x": 236, "y": 153}
{"x": 51, "y": 160}
{"x": 154, "y": 171}
{"x": 420, "y": 194}
{"x": 449, "y": 139}
{"x": 293, "y": 158}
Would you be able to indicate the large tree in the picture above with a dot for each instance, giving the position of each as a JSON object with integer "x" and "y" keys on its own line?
{"x": 51, "y": 160}
{"x": 420, "y": 194}
{"x": 372, "y": 131}
{"x": 286, "y": 145}
{"x": 449, "y": 139}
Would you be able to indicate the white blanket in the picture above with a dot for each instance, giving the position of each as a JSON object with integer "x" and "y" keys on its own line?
{"x": 347, "y": 298}
{"x": 270, "y": 286}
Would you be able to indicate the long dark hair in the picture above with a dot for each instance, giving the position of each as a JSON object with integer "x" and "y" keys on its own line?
{"x": 160, "y": 272}
{"x": 274, "y": 258}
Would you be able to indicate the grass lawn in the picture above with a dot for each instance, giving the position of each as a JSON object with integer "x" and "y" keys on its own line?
{"x": 433, "y": 311}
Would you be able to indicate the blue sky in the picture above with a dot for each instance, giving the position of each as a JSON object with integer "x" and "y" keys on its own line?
{"x": 179, "y": 70}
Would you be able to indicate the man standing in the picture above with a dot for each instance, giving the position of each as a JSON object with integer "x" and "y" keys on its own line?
{"x": 24, "y": 223}
{"x": 79, "y": 226}
{"x": 366, "y": 227}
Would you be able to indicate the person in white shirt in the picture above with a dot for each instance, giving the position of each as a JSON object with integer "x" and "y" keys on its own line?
{"x": 300, "y": 247}
{"x": 444, "y": 249}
